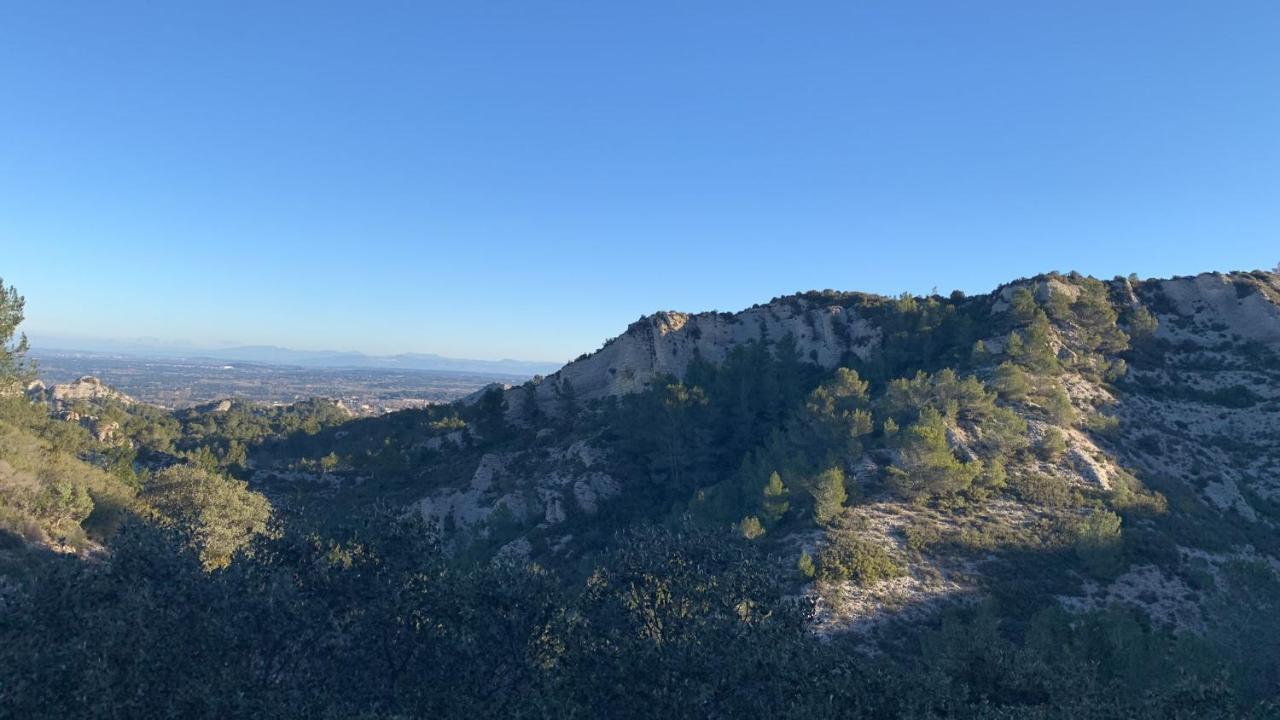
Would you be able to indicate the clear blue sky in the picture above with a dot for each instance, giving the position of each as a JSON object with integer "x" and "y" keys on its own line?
{"x": 524, "y": 178}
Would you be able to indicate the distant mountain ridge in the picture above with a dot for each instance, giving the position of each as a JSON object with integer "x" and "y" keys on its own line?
{"x": 274, "y": 355}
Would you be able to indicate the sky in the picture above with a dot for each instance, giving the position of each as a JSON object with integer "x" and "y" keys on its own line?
{"x": 522, "y": 179}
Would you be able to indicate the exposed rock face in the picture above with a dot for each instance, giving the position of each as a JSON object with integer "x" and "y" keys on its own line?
{"x": 104, "y": 432}
{"x": 1221, "y": 305}
{"x": 547, "y": 491}
{"x": 85, "y": 389}
{"x": 827, "y": 332}
{"x": 214, "y": 407}
{"x": 1207, "y": 411}
{"x": 1196, "y": 403}
{"x": 665, "y": 343}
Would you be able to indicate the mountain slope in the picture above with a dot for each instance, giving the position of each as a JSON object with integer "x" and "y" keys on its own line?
{"x": 924, "y": 448}
{"x": 1055, "y": 500}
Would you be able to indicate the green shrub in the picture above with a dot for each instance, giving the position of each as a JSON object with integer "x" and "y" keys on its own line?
{"x": 750, "y": 527}
{"x": 1052, "y": 446}
{"x": 805, "y": 565}
{"x": 219, "y": 515}
{"x": 1044, "y": 490}
{"x": 1011, "y": 382}
{"x": 828, "y": 495}
{"x": 848, "y": 556}
{"x": 1057, "y": 405}
{"x": 775, "y": 504}
{"x": 1099, "y": 544}
{"x": 1102, "y": 423}
{"x": 926, "y": 467}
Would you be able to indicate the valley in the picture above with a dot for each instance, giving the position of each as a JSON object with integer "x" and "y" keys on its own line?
{"x": 185, "y": 382}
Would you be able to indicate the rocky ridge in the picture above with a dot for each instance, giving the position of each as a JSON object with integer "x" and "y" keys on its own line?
{"x": 1197, "y": 407}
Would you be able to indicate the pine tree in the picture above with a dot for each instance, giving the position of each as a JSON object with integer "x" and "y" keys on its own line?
{"x": 13, "y": 364}
{"x": 828, "y": 495}
{"x": 776, "y": 502}
{"x": 751, "y": 527}
{"x": 1011, "y": 382}
{"x": 805, "y": 565}
{"x": 926, "y": 466}
{"x": 1023, "y": 305}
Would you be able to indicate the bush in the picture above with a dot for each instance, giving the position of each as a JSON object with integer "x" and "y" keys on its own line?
{"x": 750, "y": 527}
{"x": 828, "y": 495}
{"x": 805, "y": 565}
{"x": 1011, "y": 382}
{"x": 1098, "y": 543}
{"x": 926, "y": 467}
{"x": 1057, "y": 405}
{"x": 1102, "y": 423}
{"x": 847, "y": 556}
{"x": 1052, "y": 446}
{"x": 1045, "y": 490}
{"x": 775, "y": 504}
{"x": 218, "y": 515}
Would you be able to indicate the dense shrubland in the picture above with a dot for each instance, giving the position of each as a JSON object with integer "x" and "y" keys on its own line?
{"x": 375, "y": 621}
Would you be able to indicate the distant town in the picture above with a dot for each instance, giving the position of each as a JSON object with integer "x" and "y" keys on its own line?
{"x": 179, "y": 383}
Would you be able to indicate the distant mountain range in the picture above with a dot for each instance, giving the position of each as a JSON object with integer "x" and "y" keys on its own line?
{"x": 272, "y": 355}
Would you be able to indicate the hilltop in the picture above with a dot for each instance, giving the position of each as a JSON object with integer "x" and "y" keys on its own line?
{"x": 911, "y": 449}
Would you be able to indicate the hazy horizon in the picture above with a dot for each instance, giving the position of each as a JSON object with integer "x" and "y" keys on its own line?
{"x": 143, "y": 344}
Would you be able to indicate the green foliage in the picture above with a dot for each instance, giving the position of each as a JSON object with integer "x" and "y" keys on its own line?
{"x": 922, "y": 334}
{"x": 48, "y": 495}
{"x": 1129, "y": 494}
{"x": 491, "y": 414}
{"x": 13, "y": 364}
{"x": 1097, "y": 319}
{"x": 374, "y": 619}
{"x": 752, "y": 412}
{"x": 1057, "y": 405}
{"x": 1098, "y": 543}
{"x": 1034, "y": 348}
{"x": 1023, "y": 305}
{"x": 218, "y": 515}
{"x": 1011, "y": 382}
{"x": 993, "y": 478}
{"x": 1052, "y": 445}
{"x": 1142, "y": 324}
{"x": 1044, "y": 490}
{"x": 63, "y": 502}
{"x": 1102, "y": 424}
{"x": 775, "y": 503}
{"x": 224, "y": 440}
{"x": 835, "y": 419}
{"x": 329, "y": 462}
{"x": 890, "y": 427}
{"x": 966, "y": 401}
{"x": 805, "y": 565}
{"x": 926, "y": 467}
{"x": 667, "y": 623}
{"x": 850, "y": 556}
{"x": 828, "y": 495}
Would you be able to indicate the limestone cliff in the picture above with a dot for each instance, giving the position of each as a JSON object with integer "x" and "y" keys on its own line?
{"x": 664, "y": 343}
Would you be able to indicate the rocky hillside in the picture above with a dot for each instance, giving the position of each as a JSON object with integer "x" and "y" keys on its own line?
{"x": 1060, "y": 439}
{"x": 64, "y": 396}
{"x": 1060, "y": 499}
{"x": 922, "y": 447}
{"x": 829, "y": 328}
{"x": 664, "y": 343}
